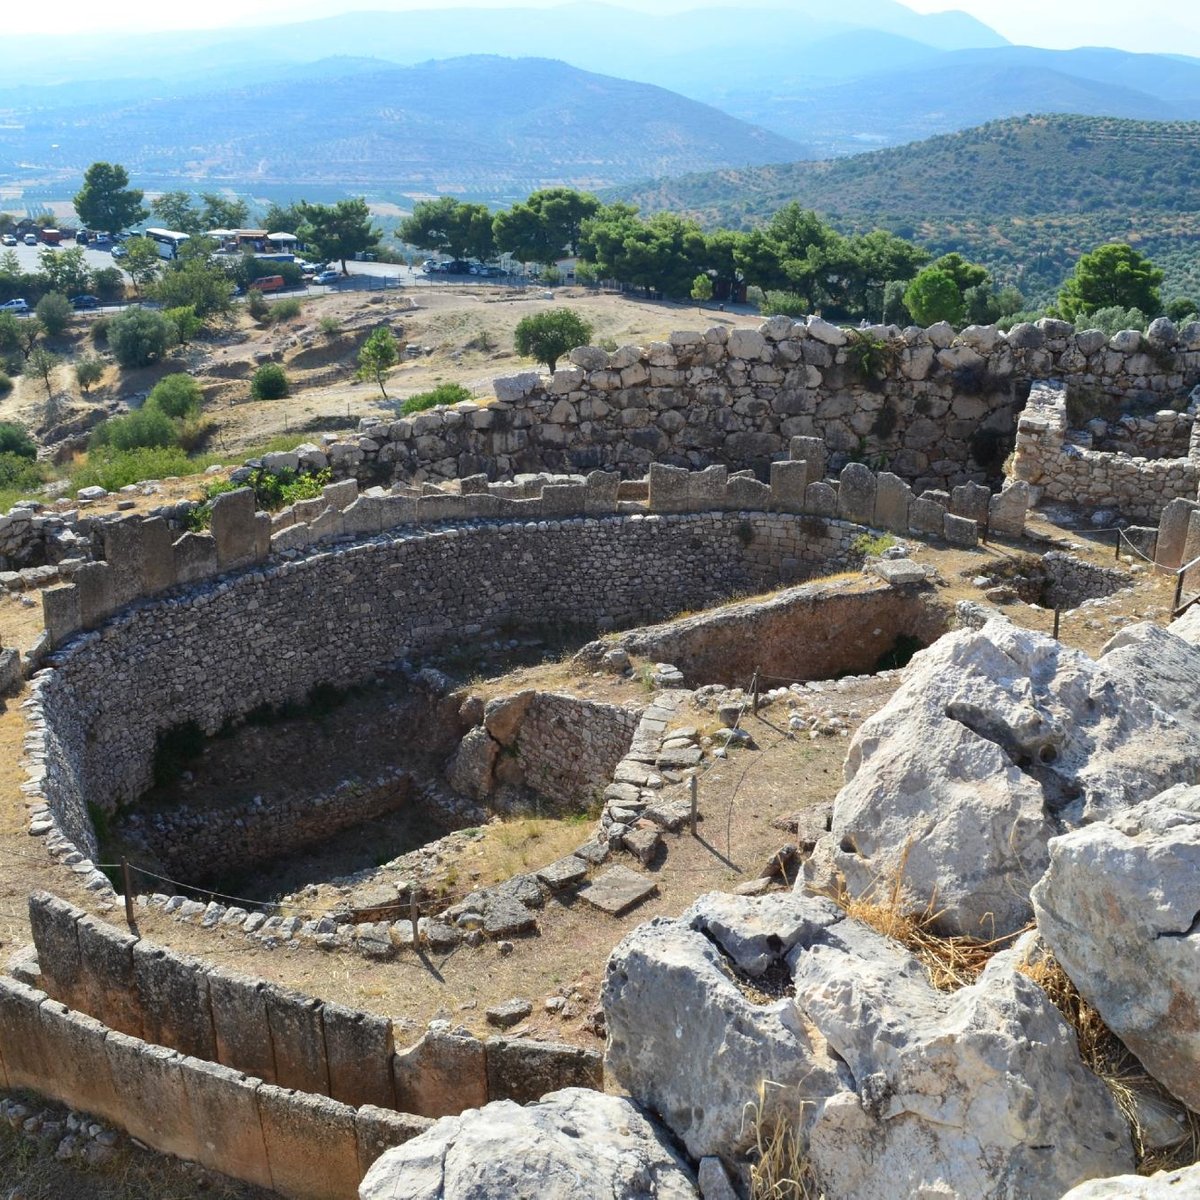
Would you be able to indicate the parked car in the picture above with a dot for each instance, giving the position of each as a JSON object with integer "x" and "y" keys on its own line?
{"x": 15, "y": 306}
{"x": 85, "y": 301}
{"x": 8, "y": 240}
{"x": 491, "y": 272}
{"x": 31, "y": 239}
{"x": 327, "y": 277}
{"x": 119, "y": 251}
{"x": 267, "y": 283}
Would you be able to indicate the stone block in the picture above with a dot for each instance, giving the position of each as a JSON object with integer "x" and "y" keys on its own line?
{"x": 234, "y": 529}
{"x": 106, "y": 957}
{"x": 602, "y": 490}
{"x": 312, "y": 1147}
{"x": 55, "y": 927}
{"x": 262, "y": 535}
{"x": 926, "y": 518}
{"x": 381, "y": 1129}
{"x": 706, "y": 489}
{"x": 224, "y": 1108}
{"x": 26, "y": 1059}
{"x": 669, "y": 489}
{"x": 1007, "y": 511}
{"x": 971, "y": 500}
{"x": 442, "y": 1074}
{"x": 328, "y": 525}
{"x": 340, "y": 495}
{"x": 813, "y": 451}
{"x": 298, "y": 1036}
{"x": 960, "y": 531}
{"x": 195, "y": 557}
{"x": 744, "y": 493}
{"x": 789, "y": 480}
{"x": 60, "y": 613}
{"x": 1173, "y": 532}
{"x": 618, "y": 890}
{"x": 820, "y": 500}
{"x": 564, "y": 499}
{"x": 524, "y": 1070}
{"x": 856, "y": 494}
{"x": 398, "y": 510}
{"x": 173, "y": 996}
{"x": 154, "y": 1103}
{"x": 81, "y": 1077}
{"x": 364, "y": 516}
{"x": 94, "y": 581}
{"x": 892, "y": 500}
{"x": 241, "y": 1032}
{"x": 358, "y": 1051}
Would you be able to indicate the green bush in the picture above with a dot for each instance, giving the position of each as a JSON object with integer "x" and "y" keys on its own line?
{"x": 5, "y": 383}
{"x": 55, "y": 312}
{"x": 257, "y": 305}
{"x": 18, "y": 473}
{"x": 548, "y": 336}
{"x": 14, "y": 439}
{"x": 444, "y": 393}
{"x": 1114, "y": 319}
{"x": 285, "y": 310}
{"x": 145, "y": 427}
{"x": 784, "y": 304}
{"x": 273, "y": 490}
{"x": 113, "y": 469}
{"x": 140, "y": 336}
{"x": 270, "y": 382}
{"x": 176, "y": 395}
{"x": 329, "y": 326}
{"x": 100, "y": 330}
{"x": 89, "y": 370}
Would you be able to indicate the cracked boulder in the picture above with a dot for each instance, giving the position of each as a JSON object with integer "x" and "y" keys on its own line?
{"x": 897, "y": 1089}
{"x": 1164, "y": 1185}
{"x": 471, "y": 769}
{"x": 574, "y": 1144}
{"x": 1120, "y": 908}
{"x": 999, "y": 739}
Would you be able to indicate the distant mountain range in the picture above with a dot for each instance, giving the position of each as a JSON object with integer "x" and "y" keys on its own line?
{"x": 1025, "y": 196}
{"x": 488, "y": 127}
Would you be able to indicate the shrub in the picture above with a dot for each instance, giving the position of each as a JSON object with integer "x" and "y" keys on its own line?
{"x": 285, "y": 310}
{"x": 270, "y": 382}
{"x": 257, "y": 305}
{"x": 784, "y": 304}
{"x": 55, "y": 312}
{"x": 100, "y": 330}
{"x": 88, "y": 371}
{"x": 145, "y": 427}
{"x": 329, "y": 326}
{"x": 140, "y": 336}
{"x": 444, "y": 393}
{"x": 19, "y": 473}
{"x": 113, "y": 469}
{"x": 1114, "y": 319}
{"x": 547, "y": 336}
{"x": 187, "y": 323}
{"x": 109, "y": 283}
{"x": 176, "y": 395}
{"x": 14, "y": 439}
{"x": 5, "y": 383}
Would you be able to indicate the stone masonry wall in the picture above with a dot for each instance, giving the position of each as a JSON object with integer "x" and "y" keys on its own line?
{"x": 940, "y": 412}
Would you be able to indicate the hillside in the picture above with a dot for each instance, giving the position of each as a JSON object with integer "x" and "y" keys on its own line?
{"x": 1025, "y": 196}
{"x": 480, "y": 126}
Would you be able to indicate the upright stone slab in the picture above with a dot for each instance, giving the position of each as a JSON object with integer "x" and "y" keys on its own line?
{"x": 856, "y": 494}
{"x": 706, "y": 489}
{"x": 154, "y": 1103}
{"x": 195, "y": 557}
{"x": 971, "y": 500}
{"x": 312, "y": 1147}
{"x": 26, "y": 1059}
{"x": 820, "y": 500}
{"x": 60, "y": 613}
{"x": 298, "y": 1036}
{"x": 892, "y": 500}
{"x": 564, "y": 499}
{"x": 813, "y": 451}
{"x": 234, "y": 529}
{"x": 1007, "y": 511}
{"x": 442, "y": 1074}
{"x": 668, "y": 489}
{"x": 926, "y": 518}
{"x": 789, "y": 480}
{"x": 342, "y": 494}
{"x": 224, "y": 1108}
{"x": 106, "y": 957}
{"x": 382, "y": 1129}
{"x": 1191, "y": 544}
{"x": 239, "y": 1012}
{"x": 523, "y": 1070}
{"x": 81, "y": 1077}
{"x": 94, "y": 581}
{"x": 960, "y": 531}
{"x": 55, "y": 927}
{"x": 358, "y": 1050}
{"x": 139, "y": 552}
{"x": 601, "y": 495}
{"x": 173, "y": 995}
{"x": 746, "y": 494}
{"x": 1173, "y": 532}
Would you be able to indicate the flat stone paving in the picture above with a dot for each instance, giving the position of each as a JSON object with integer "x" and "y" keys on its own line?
{"x": 618, "y": 890}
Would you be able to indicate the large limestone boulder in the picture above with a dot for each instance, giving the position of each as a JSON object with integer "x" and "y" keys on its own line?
{"x": 1120, "y": 908}
{"x": 1162, "y": 665}
{"x": 1165, "y": 1185}
{"x": 898, "y": 1089}
{"x": 999, "y": 739}
{"x": 574, "y": 1144}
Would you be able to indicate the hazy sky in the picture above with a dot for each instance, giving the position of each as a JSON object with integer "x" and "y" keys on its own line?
{"x": 1058, "y": 23}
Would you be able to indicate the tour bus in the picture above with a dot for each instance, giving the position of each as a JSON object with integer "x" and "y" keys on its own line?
{"x": 168, "y": 241}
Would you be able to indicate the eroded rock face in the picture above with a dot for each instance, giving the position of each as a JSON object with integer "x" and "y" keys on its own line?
{"x": 574, "y": 1144}
{"x": 1165, "y": 1185}
{"x": 999, "y": 739}
{"x": 1120, "y": 908}
{"x": 901, "y": 1090}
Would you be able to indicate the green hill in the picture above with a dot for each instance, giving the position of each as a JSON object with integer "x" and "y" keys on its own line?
{"x": 1025, "y": 196}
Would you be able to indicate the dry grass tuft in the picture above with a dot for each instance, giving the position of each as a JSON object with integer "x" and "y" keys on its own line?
{"x": 1106, "y": 1055}
{"x": 781, "y": 1168}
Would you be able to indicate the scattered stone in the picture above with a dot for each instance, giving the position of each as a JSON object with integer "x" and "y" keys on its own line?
{"x": 618, "y": 890}
{"x": 563, "y": 873}
{"x": 509, "y": 1013}
{"x": 643, "y": 844}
